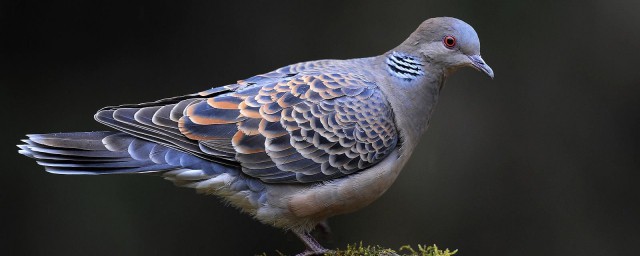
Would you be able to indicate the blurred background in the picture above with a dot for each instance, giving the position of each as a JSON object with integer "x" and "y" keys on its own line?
{"x": 543, "y": 160}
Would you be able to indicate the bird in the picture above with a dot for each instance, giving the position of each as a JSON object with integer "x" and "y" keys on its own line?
{"x": 291, "y": 147}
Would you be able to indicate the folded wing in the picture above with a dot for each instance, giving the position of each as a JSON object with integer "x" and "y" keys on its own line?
{"x": 294, "y": 125}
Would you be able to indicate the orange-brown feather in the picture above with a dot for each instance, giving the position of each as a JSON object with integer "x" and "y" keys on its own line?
{"x": 213, "y": 102}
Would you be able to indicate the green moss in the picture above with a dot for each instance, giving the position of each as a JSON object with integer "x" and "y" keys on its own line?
{"x": 376, "y": 250}
{"x": 361, "y": 250}
{"x": 423, "y": 250}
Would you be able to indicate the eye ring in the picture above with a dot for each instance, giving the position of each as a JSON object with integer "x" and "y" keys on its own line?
{"x": 449, "y": 41}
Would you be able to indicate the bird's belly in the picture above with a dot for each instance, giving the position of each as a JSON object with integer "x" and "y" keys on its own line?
{"x": 309, "y": 205}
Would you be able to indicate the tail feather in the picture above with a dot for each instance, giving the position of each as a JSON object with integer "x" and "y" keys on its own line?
{"x": 88, "y": 171}
{"x": 74, "y": 140}
{"x": 86, "y": 153}
{"x": 34, "y": 152}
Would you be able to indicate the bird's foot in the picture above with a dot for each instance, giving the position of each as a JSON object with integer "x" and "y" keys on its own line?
{"x": 308, "y": 252}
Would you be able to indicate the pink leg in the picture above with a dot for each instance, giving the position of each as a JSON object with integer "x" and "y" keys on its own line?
{"x": 313, "y": 247}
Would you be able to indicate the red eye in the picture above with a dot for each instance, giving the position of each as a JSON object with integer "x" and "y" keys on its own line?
{"x": 449, "y": 41}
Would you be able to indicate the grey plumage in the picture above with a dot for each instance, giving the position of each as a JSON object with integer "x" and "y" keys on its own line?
{"x": 291, "y": 147}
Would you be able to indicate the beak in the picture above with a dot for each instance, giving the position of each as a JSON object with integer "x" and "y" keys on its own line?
{"x": 478, "y": 63}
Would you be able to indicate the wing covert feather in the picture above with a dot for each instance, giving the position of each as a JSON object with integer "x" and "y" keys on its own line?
{"x": 305, "y": 127}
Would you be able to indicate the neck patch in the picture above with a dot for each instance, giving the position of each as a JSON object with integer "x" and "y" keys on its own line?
{"x": 404, "y": 66}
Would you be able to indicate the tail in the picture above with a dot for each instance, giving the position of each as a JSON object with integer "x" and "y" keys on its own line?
{"x": 94, "y": 153}
{"x": 91, "y": 153}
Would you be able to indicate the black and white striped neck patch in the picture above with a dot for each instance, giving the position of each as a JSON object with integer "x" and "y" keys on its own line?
{"x": 404, "y": 66}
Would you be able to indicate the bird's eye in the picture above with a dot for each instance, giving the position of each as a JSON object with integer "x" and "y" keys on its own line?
{"x": 449, "y": 41}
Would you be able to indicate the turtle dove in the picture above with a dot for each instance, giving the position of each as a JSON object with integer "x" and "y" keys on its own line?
{"x": 291, "y": 147}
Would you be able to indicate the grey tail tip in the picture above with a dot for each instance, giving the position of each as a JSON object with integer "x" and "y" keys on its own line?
{"x": 24, "y": 149}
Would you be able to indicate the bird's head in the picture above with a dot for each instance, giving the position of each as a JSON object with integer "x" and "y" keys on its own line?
{"x": 449, "y": 43}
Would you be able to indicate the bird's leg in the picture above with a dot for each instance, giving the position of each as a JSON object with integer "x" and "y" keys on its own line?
{"x": 313, "y": 247}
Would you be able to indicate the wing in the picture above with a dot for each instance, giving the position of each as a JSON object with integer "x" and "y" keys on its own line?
{"x": 293, "y": 125}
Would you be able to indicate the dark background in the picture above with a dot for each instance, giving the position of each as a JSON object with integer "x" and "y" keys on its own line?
{"x": 543, "y": 160}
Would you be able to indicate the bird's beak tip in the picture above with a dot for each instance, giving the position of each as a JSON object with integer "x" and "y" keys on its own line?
{"x": 478, "y": 63}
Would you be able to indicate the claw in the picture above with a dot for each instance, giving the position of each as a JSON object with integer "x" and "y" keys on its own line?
{"x": 310, "y": 253}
